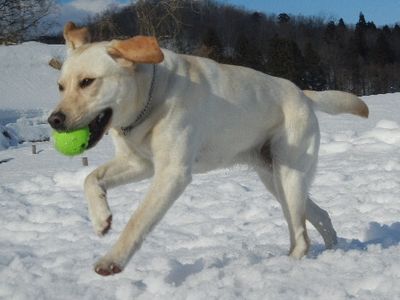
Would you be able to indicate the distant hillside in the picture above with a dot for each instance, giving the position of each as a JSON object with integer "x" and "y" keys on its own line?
{"x": 315, "y": 53}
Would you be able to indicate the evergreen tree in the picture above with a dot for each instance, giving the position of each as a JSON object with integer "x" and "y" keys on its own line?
{"x": 285, "y": 60}
{"x": 361, "y": 24}
{"x": 213, "y": 44}
{"x": 396, "y": 29}
{"x": 341, "y": 31}
{"x": 314, "y": 76}
{"x": 330, "y": 33}
{"x": 248, "y": 53}
{"x": 283, "y": 18}
{"x": 359, "y": 37}
{"x": 352, "y": 65}
{"x": 257, "y": 18}
{"x": 386, "y": 30}
{"x": 341, "y": 24}
{"x": 243, "y": 48}
{"x": 382, "y": 52}
{"x": 371, "y": 26}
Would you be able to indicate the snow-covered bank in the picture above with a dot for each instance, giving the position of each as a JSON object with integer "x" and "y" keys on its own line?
{"x": 224, "y": 238}
{"x": 26, "y": 80}
{"x": 27, "y": 91}
{"x": 23, "y": 128}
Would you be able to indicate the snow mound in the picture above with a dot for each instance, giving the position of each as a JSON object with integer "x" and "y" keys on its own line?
{"x": 385, "y": 131}
{"x": 24, "y": 129}
{"x": 385, "y": 134}
{"x": 8, "y": 138}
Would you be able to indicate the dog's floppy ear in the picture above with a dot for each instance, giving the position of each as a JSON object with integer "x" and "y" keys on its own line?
{"x": 75, "y": 36}
{"x": 139, "y": 49}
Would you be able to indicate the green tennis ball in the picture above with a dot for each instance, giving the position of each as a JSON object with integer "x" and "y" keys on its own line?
{"x": 72, "y": 143}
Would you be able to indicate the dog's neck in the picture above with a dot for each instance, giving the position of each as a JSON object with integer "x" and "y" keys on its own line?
{"x": 146, "y": 109}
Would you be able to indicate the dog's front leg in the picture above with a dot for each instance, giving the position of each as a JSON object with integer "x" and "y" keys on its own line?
{"x": 120, "y": 170}
{"x": 169, "y": 182}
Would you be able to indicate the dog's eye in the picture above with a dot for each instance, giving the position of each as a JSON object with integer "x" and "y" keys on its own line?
{"x": 85, "y": 82}
{"x": 60, "y": 87}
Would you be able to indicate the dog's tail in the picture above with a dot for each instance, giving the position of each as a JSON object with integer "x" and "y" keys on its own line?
{"x": 337, "y": 102}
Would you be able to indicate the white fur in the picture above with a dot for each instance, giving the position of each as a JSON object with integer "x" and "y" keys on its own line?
{"x": 204, "y": 116}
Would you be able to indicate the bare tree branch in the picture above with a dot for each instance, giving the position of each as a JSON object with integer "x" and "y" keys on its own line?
{"x": 159, "y": 18}
{"x": 20, "y": 16}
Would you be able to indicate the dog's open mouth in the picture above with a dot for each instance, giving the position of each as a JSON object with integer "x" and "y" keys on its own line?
{"x": 99, "y": 126}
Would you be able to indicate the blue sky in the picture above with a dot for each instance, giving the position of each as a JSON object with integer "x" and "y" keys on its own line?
{"x": 379, "y": 11}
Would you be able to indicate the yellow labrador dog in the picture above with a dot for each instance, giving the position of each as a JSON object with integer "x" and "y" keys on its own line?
{"x": 172, "y": 115}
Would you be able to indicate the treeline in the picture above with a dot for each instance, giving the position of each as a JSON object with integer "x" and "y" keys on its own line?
{"x": 313, "y": 53}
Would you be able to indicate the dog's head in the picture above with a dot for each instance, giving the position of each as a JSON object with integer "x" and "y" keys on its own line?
{"x": 96, "y": 80}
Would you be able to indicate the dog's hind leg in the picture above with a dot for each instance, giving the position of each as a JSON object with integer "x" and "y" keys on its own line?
{"x": 317, "y": 216}
{"x": 294, "y": 151}
{"x": 320, "y": 219}
{"x": 120, "y": 170}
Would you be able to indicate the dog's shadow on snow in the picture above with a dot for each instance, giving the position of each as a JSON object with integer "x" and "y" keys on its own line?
{"x": 179, "y": 272}
{"x": 376, "y": 234}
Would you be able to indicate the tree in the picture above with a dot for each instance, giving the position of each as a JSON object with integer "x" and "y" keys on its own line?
{"x": 243, "y": 48}
{"x": 211, "y": 45}
{"x": 329, "y": 36}
{"x": 285, "y": 60}
{"x": 396, "y": 30}
{"x": 18, "y": 17}
{"x": 248, "y": 54}
{"x": 361, "y": 24}
{"x": 341, "y": 24}
{"x": 382, "y": 52}
{"x": 314, "y": 76}
{"x": 106, "y": 27}
{"x": 359, "y": 37}
{"x": 283, "y": 18}
{"x": 159, "y": 17}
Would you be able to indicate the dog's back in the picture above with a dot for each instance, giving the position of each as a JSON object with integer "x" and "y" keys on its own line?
{"x": 232, "y": 109}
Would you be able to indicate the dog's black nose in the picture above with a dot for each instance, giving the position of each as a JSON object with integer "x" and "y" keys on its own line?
{"x": 57, "y": 120}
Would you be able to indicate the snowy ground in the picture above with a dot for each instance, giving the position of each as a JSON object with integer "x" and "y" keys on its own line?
{"x": 225, "y": 237}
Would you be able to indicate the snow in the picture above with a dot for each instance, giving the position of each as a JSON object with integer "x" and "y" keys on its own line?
{"x": 224, "y": 238}
{"x": 27, "y": 92}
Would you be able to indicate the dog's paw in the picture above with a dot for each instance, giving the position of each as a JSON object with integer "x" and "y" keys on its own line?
{"x": 299, "y": 251}
{"x": 102, "y": 227}
{"x": 100, "y": 214}
{"x": 331, "y": 243}
{"x": 106, "y": 267}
